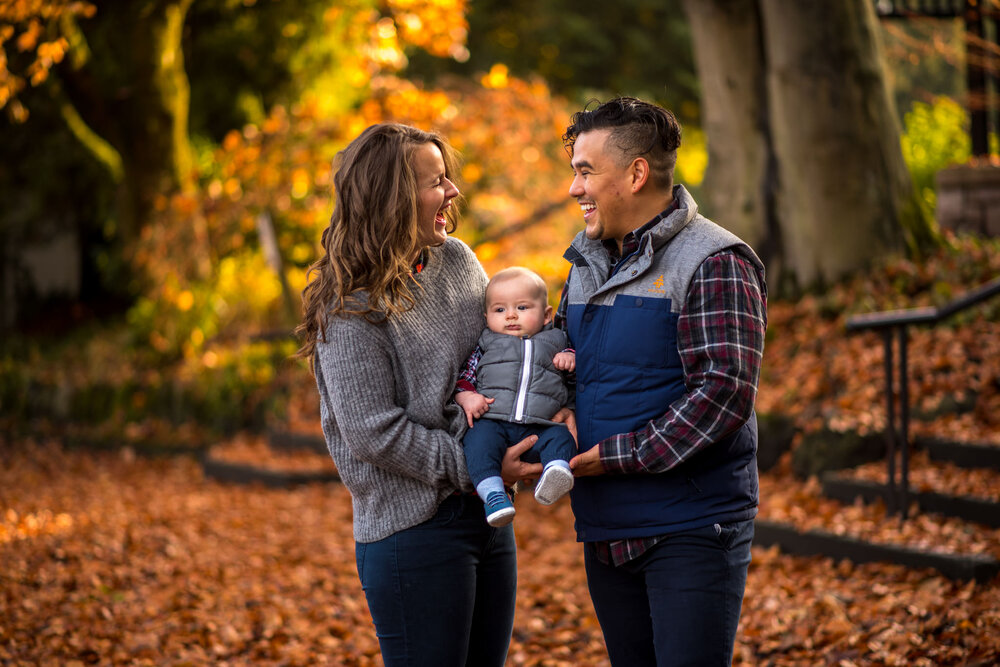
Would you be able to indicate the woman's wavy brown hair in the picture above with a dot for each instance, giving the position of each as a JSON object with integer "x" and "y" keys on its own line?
{"x": 371, "y": 241}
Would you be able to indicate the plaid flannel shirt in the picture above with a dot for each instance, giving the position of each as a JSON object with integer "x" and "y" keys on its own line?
{"x": 467, "y": 378}
{"x": 720, "y": 339}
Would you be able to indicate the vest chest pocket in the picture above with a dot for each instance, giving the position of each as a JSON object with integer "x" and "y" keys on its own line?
{"x": 640, "y": 331}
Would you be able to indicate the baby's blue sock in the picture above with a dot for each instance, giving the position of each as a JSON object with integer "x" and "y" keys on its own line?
{"x": 488, "y": 486}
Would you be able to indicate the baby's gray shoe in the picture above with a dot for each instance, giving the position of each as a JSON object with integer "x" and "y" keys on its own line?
{"x": 556, "y": 481}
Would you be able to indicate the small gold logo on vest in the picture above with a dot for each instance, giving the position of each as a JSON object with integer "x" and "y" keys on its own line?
{"x": 657, "y": 285}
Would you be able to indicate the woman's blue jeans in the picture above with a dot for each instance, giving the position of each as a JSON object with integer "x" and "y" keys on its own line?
{"x": 677, "y": 604}
{"x": 442, "y": 593}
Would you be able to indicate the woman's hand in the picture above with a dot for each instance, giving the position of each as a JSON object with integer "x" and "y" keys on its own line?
{"x": 513, "y": 469}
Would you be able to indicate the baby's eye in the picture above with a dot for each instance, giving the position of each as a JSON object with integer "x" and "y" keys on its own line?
{"x": 498, "y": 309}
{"x": 523, "y": 307}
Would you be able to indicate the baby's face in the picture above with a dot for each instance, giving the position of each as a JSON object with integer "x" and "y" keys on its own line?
{"x": 514, "y": 307}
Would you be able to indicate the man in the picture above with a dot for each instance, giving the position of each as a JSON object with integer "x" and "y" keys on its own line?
{"x": 667, "y": 313}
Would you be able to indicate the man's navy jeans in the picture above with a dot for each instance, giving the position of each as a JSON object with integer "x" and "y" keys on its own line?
{"x": 677, "y": 604}
{"x": 442, "y": 592}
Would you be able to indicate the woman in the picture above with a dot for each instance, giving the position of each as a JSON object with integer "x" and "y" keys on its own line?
{"x": 392, "y": 311}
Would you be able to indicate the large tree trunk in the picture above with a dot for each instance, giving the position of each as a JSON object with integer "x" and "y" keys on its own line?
{"x": 805, "y": 160}
{"x": 740, "y": 173}
{"x": 128, "y": 84}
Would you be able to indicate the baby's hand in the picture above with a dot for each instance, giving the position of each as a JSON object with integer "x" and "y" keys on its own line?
{"x": 565, "y": 361}
{"x": 474, "y": 404}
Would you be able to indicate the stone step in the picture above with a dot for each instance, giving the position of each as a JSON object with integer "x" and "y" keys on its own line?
{"x": 964, "y": 454}
{"x": 982, "y": 568}
{"x": 978, "y": 510}
{"x": 279, "y": 460}
{"x": 292, "y": 440}
{"x": 241, "y": 473}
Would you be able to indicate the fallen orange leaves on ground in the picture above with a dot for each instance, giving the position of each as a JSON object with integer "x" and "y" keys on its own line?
{"x": 153, "y": 564}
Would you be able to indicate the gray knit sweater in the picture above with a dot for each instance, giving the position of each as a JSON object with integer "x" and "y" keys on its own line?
{"x": 385, "y": 393}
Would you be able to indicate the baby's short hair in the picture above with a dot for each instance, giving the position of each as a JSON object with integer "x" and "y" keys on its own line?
{"x": 521, "y": 272}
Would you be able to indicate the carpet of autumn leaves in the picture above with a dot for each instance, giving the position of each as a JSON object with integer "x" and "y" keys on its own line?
{"x": 113, "y": 558}
{"x": 110, "y": 558}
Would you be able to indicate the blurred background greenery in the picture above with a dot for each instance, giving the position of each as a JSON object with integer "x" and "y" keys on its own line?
{"x": 151, "y": 149}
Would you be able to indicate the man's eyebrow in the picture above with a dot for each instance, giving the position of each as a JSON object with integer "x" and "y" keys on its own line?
{"x": 577, "y": 164}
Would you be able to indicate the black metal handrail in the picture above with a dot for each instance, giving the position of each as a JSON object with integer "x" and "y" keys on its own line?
{"x": 897, "y": 321}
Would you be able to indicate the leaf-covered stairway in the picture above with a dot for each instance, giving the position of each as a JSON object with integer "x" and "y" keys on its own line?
{"x": 942, "y": 508}
{"x": 953, "y": 524}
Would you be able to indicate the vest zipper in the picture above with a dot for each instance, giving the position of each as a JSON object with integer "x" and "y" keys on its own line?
{"x": 522, "y": 387}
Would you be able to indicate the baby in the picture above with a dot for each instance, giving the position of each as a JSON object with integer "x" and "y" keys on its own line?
{"x": 511, "y": 387}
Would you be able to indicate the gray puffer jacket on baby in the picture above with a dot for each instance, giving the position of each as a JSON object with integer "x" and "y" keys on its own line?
{"x": 519, "y": 374}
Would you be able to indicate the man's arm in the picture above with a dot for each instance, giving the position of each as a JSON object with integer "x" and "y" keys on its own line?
{"x": 720, "y": 338}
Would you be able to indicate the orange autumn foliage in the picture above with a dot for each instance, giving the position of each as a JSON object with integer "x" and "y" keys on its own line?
{"x": 32, "y": 28}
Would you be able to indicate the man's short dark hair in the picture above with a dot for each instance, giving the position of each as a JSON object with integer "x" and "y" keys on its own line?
{"x": 638, "y": 129}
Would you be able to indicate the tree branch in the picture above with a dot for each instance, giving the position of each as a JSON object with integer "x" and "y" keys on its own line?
{"x": 103, "y": 151}
{"x": 537, "y": 216}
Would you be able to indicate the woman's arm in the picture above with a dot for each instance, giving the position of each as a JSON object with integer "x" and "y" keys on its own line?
{"x": 356, "y": 367}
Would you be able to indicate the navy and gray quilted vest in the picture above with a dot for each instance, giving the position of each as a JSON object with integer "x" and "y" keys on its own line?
{"x": 628, "y": 372}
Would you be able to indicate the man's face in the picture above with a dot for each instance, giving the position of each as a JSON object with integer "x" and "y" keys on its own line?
{"x": 600, "y": 186}
{"x": 514, "y": 307}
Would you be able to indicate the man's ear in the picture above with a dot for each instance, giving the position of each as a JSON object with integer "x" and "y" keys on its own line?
{"x": 640, "y": 173}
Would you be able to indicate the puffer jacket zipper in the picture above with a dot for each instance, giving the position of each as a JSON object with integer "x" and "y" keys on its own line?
{"x": 525, "y": 379}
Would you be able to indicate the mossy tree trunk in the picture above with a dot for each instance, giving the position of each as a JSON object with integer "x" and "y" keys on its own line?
{"x": 804, "y": 154}
{"x": 126, "y": 98}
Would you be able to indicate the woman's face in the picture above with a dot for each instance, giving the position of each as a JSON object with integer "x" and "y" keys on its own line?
{"x": 434, "y": 195}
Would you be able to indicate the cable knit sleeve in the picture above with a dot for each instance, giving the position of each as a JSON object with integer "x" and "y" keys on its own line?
{"x": 357, "y": 366}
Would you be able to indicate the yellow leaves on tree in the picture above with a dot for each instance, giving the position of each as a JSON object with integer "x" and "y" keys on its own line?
{"x": 437, "y": 26}
{"x": 383, "y": 35}
{"x": 279, "y": 172}
{"x": 514, "y": 182}
{"x": 514, "y": 174}
{"x": 496, "y": 77}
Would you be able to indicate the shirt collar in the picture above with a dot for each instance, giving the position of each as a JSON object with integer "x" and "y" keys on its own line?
{"x": 631, "y": 241}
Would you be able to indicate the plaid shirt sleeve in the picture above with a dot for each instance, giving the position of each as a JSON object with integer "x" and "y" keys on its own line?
{"x": 720, "y": 338}
{"x": 467, "y": 378}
